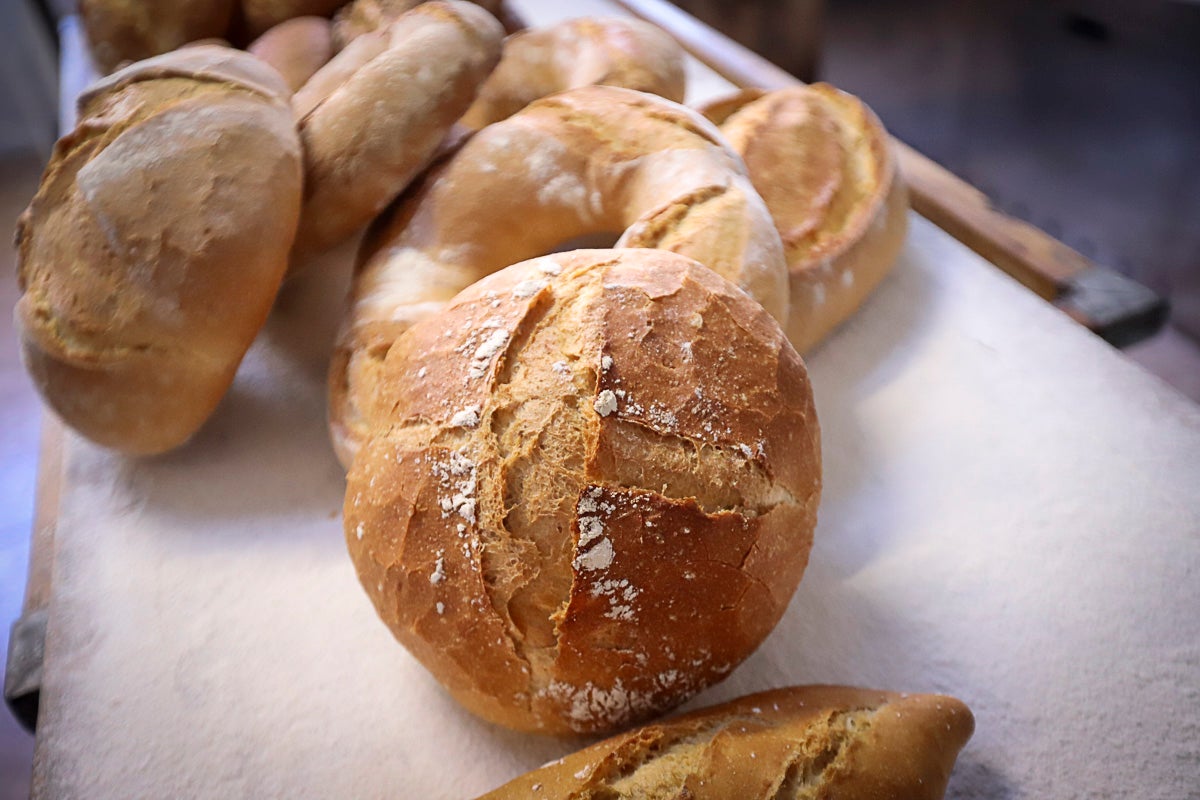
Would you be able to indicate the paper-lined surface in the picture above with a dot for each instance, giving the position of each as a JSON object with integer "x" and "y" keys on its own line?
{"x": 1011, "y": 515}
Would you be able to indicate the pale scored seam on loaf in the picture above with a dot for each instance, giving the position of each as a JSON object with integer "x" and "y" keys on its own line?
{"x": 665, "y": 765}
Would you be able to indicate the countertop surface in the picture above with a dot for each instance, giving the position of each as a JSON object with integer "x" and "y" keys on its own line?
{"x": 1011, "y": 515}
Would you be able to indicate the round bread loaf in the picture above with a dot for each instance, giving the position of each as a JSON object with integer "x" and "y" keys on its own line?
{"x": 593, "y": 491}
{"x": 374, "y": 116}
{"x": 364, "y": 16}
{"x": 130, "y": 30}
{"x": 595, "y": 160}
{"x": 799, "y": 743}
{"x": 296, "y": 48}
{"x": 260, "y": 16}
{"x": 614, "y": 51}
{"x": 823, "y": 164}
{"x": 156, "y": 243}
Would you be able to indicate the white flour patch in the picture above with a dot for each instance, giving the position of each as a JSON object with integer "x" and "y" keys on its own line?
{"x": 467, "y": 418}
{"x": 528, "y": 288}
{"x": 549, "y": 266}
{"x": 486, "y": 352}
{"x": 606, "y": 403}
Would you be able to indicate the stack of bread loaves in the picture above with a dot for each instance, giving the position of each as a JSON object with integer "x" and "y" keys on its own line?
{"x": 582, "y": 486}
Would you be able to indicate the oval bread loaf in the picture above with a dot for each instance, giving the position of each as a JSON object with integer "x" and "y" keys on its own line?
{"x": 156, "y": 243}
{"x": 363, "y": 16}
{"x": 823, "y": 164}
{"x": 801, "y": 743}
{"x": 131, "y": 30}
{"x": 296, "y": 48}
{"x": 259, "y": 16}
{"x": 591, "y": 488}
{"x": 615, "y": 51}
{"x": 373, "y": 117}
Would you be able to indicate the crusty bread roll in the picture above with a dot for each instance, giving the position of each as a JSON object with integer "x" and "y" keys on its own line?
{"x": 363, "y": 16}
{"x": 589, "y": 488}
{"x": 379, "y": 111}
{"x": 594, "y": 160}
{"x": 259, "y": 16}
{"x": 801, "y": 743}
{"x": 130, "y": 30}
{"x": 157, "y": 240}
{"x": 296, "y": 48}
{"x": 823, "y": 163}
{"x": 616, "y": 51}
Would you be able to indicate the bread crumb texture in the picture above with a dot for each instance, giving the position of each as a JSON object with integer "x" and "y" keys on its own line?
{"x": 628, "y": 512}
{"x": 801, "y": 743}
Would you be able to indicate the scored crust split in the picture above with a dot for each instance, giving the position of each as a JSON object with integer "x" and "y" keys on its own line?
{"x": 801, "y": 743}
{"x": 823, "y": 164}
{"x": 594, "y": 489}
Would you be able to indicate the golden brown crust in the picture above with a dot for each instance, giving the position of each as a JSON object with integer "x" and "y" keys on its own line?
{"x": 131, "y": 30}
{"x": 823, "y": 164}
{"x": 800, "y": 743}
{"x": 296, "y": 48}
{"x": 589, "y": 488}
{"x": 594, "y": 160}
{"x": 156, "y": 243}
{"x": 259, "y": 16}
{"x": 588, "y": 51}
{"x": 382, "y": 109}
{"x": 363, "y": 16}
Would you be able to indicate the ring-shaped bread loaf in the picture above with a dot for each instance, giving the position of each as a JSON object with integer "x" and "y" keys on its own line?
{"x": 596, "y": 160}
{"x": 607, "y": 51}
{"x": 156, "y": 244}
{"x": 372, "y": 118}
{"x": 823, "y": 163}
{"x": 594, "y": 490}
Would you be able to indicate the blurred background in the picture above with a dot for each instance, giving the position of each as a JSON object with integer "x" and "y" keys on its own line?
{"x": 1079, "y": 116}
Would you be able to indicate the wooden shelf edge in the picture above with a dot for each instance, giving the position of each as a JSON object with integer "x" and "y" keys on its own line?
{"x": 1046, "y": 266}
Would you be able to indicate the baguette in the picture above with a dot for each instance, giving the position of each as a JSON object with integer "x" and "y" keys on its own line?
{"x": 801, "y": 743}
